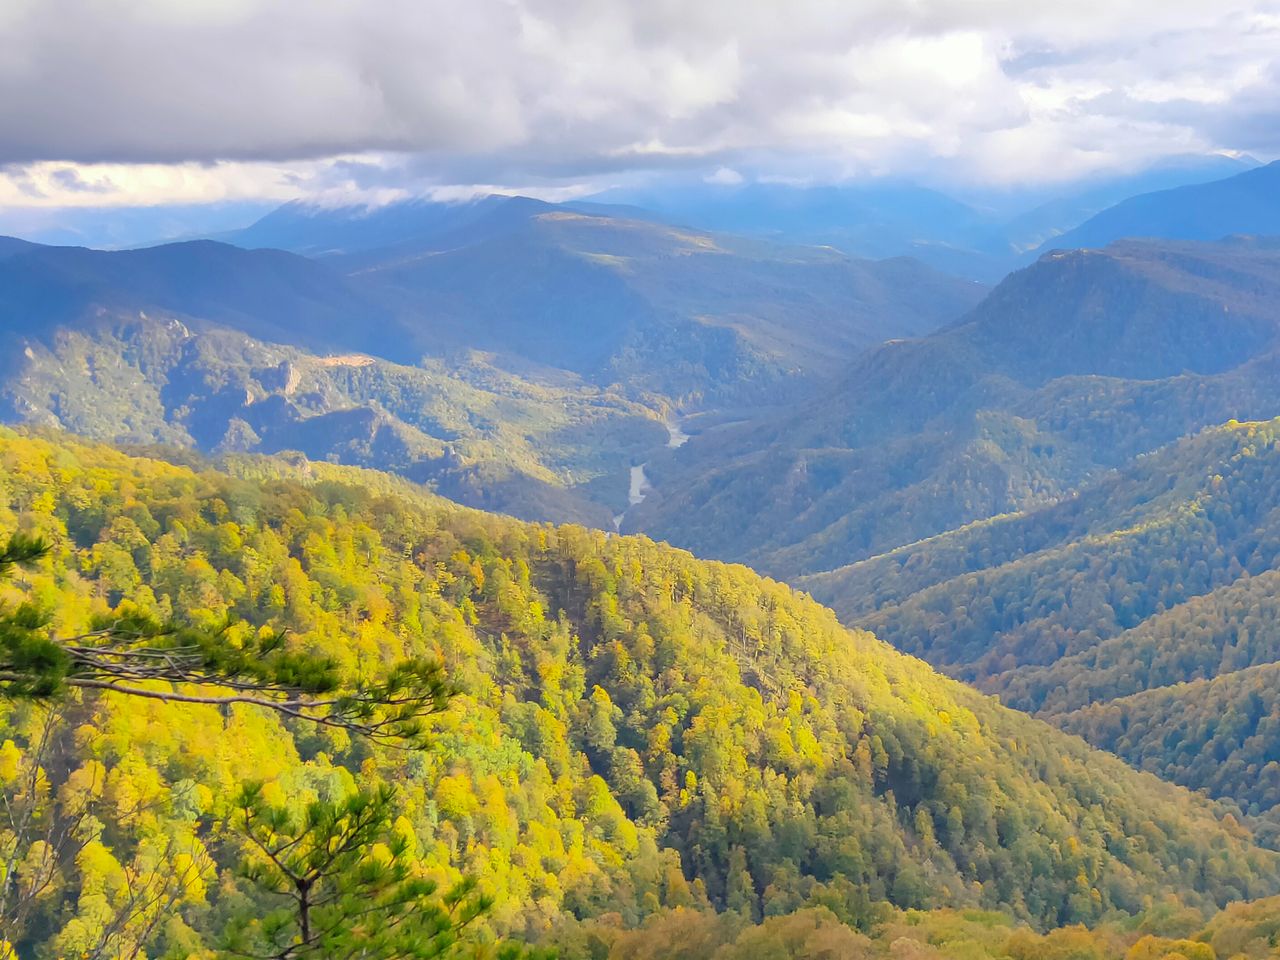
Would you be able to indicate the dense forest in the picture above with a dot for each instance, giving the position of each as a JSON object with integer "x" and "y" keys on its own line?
{"x": 1220, "y": 632}
{"x": 516, "y": 480}
{"x": 643, "y": 747}
{"x": 1111, "y": 611}
{"x": 531, "y": 396}
{"x": 550, "y": 448}
{"x": 1221, "y": 735}
{"x": 1033, "y": 587}
{"x": 1165, "y": 932}
{"x": 1067, "y": 370}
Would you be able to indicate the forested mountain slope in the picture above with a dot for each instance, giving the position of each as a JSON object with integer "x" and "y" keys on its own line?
{"x": 1119, "y": 603}
{"x": 680, "y": 312}
{"x": 267, "y": 294}
{"x": 874, "y": 219}
{"x": 983, "y": 238}
{"x": 1221, "y": 735}
{"x": 638, "y": 730}
{"x": 11, "y": 245}
{"x": 547, "y": 447}
{"x": 1227, "y": 629}
{"x": 1068, "y": 369}
{"x": 1247, "y": 203}
{"x": 517, "y": 356}
{"x": 1242, "y": 931}
{"x": 673, "y": 310}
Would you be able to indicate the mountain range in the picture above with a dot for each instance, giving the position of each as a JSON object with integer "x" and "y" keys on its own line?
{"x": 523, "y": 356}
{"x": 530, "y": 393}
{"x": 1136, "y": 612}
{"x": 1068, "y": 369}
{"x": 1248, "y": 203}
{"x": 981, "y": 234}
{"x": 667, "y": 309}
{"x": 1061, "y": 492}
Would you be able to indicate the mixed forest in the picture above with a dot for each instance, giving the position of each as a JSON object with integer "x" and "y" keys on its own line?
{"x": 614, "y": 750}
{"x": 1139, "y": 613}
{"x": 272, "y": 685}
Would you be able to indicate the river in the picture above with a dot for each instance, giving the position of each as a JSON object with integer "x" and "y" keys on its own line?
{"x": 640, "y": 485}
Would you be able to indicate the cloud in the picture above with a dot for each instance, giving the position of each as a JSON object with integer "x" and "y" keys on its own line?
{"x": 72, "y": 180}
{"x": 725, "y": 176}
{"x": 234, "y": 96}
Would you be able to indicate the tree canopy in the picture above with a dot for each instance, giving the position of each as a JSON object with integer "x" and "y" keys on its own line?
{"x": 638, "y": 737}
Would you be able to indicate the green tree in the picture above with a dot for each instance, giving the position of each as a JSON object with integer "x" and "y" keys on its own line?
{"x": 340, "y": 881}
{"x": 136, "y": 655}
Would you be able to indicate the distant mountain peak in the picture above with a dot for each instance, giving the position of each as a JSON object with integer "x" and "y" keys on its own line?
{"x": 1246, "y": 203}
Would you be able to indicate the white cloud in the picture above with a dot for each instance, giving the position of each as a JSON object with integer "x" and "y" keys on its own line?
{"x": 725, "y": 176}
{"x": 152, "y": 99}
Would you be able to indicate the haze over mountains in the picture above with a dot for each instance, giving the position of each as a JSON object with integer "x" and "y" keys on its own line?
{"x": 589, "y": 330}
{"x": 1248, "y": 203}
{"x": 554, "y": 339}
{"x": 983, "y": 236}
{"x": 578, "y": 291}
{"x": 701, "y": 313}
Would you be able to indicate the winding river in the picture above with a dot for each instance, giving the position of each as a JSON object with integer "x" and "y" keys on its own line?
{"x": 640, "y": 485}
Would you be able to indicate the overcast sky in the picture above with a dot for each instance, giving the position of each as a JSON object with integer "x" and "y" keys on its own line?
{"x": 143, "y": 101}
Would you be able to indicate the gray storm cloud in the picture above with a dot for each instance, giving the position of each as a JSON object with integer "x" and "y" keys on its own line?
{"x": 571, "y": 87}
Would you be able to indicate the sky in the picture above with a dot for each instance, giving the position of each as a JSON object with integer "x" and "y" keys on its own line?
{"x": 138, "y": 102}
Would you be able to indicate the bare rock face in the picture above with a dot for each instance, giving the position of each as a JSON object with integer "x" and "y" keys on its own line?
{"x": 284, "y": 378}
{"x": 292, "y": 377}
